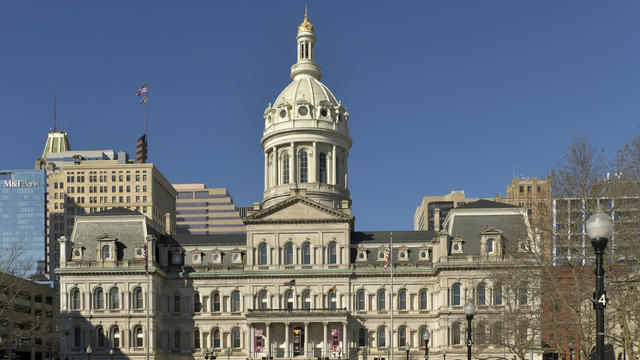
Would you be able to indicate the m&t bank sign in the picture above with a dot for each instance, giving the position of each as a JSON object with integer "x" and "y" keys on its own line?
{"x": 12, "y": 183}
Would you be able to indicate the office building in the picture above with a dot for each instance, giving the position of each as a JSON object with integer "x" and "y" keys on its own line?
{"x": 432, "y": 211}
{"x": 88, "y": 181}
{"x": 202, "y": 210}
{"x": 22, "y": 221}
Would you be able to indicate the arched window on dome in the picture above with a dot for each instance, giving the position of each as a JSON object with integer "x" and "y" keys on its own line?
{"x": 285, "y": 167}
{"x": 322, "y": 168}
{"x": 304, "y": 169}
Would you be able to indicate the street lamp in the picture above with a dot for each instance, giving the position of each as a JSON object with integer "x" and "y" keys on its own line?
{"x": 406, "y": 348}
{"x": 88, "y": 350}
{"x": 599, "y": 230}
{"x": 426, "y": 344}
{"x": 444, "y": 354}
{"x": 469, "y": 310}
{"x": 111, "y": 354}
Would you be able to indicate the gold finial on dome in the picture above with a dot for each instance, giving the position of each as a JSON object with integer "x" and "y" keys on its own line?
{"x": 306, "y": 25}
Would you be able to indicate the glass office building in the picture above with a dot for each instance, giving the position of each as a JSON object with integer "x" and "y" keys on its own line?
{"x": 22, "y": 221}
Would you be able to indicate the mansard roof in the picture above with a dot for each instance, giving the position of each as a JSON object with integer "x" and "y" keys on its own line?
{"x": 485, "y": 204}
{"x": 237, "y": 239}
{"x": 470, "y": 227}
{"x": 382, "y": 237}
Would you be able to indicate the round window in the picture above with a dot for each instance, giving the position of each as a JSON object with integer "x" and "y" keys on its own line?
{"x": 283, "y": 113}
{"x": 381, "y": 256}
{"x": 423, "y": 254}
{"x": 77, "y": 253}
{"x": 361, "y": 255}
{"x": 456, "y": 247}
{"x": 403, "y": 255}
{"x": 139, "y": 252}
{"x": 196, "y": 258}
{"x": 324, "y": 112}
{"x": 176, "y": 258}
{"x": 302, "y": 110}
{"x": 216, "y": 257}
{"x": 236, "y": 257}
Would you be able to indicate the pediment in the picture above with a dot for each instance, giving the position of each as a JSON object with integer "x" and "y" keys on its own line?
{"x": 105, "y": 237}
{"x": 298, "y": 209}
{"x": 491, "y": 230}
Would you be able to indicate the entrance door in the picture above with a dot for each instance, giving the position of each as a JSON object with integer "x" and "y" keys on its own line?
{"x": 298, "y": 341}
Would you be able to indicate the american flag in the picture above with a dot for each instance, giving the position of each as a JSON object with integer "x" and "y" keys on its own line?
{"x": 144, "y": 257}
{"x": 387, "y": 257}
{"x": 143, "y": 90}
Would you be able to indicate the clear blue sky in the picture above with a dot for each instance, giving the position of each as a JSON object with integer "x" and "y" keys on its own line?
{"x": 443, "y": 95}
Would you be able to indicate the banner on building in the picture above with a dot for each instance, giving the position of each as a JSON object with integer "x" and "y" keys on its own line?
{"x": 259, "y": 341}
{"x": 335, "y": 340}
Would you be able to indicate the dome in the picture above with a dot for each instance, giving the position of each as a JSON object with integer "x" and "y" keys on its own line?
{"x": 306, "y": 25}
{"x": 306, "y": 90}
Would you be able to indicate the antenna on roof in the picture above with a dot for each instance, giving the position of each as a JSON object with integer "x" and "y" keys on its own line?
{"x": 54, "y": 107}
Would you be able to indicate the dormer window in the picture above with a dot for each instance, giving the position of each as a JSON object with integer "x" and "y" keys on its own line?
{"x": 361, "y": 255}
{"x": 236, "y": 256}
{"x": 324, "y": 112}
{"x": 303, "y": 110}
{"x": 106, "y": 252}
{"x": 282, "y": 113}
{"x": 176, "y": 258}
{"x": 403, "y": 254}
{"x": 78, "y": 252}
{"x": 216, "y": 257}
{"x": 490, "y": 246}
{"x": 456, "y": 246}
{"x": 423, "y": 254}
{"x": 196, "y": 257}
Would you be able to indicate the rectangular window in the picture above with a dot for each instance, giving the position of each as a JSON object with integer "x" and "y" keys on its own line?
{"x": 185, "y": 195}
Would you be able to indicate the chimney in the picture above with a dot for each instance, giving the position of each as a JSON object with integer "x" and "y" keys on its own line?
{"x": 436, "y": 219}
{"x": 64, "y": 250}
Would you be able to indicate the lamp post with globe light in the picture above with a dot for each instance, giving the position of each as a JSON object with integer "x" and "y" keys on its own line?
{"x": 426, "y": 344}
{"x": 88, "y": 350}
{"x": 469, "y": 310}
{"x": 407, "y": 349}
{"x": 599, "y": 230}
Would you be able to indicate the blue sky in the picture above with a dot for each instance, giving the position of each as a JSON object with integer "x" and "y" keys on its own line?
{"x": 443, "y": 95}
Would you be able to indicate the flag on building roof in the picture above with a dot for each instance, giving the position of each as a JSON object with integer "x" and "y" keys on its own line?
{"x": 144, "y": 100}
{"x": 142, "y": 90}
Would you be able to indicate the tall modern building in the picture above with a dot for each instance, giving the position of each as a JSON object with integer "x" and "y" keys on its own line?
{"x": 88, "y": 181}
{"x": 432, "y": 211}
{"x": 202, "y": 210}
{"x": 22, "y": 221}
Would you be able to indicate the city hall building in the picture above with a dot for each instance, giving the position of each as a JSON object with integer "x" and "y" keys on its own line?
{"x": 300, "y": 283}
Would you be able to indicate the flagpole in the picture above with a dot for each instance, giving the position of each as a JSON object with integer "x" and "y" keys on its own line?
{"x": 391, "y": 307}
{"x": 146, "y": 244}
{"x": 146, "y": 120}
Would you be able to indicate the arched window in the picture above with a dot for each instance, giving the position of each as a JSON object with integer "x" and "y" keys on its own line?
{"x": 360, "y": 300}
{"x": 523, "y": 297}
{"x": 77, "y": 337}
{"x": 138, "y": 337}
{"x": 333, "y": 258}
{"x": 333, "y": 301}
{"x": 98, "y": 299}
{"x": 304, "y": 170}
{"x": 288, "y": 298}
{"x": 382, "y": 336}
{"x": 106, "y": 252}
{"x": 176, "y": 302}
{"x": 306, "y": 299}
{"x": 114, "y": 298}
{"x": 402, "y": 337}
{"x": 497, "y": 294}
{"x": 216, "y": 338}
{"x": 455, "y": 295}
{"x": 197, "y": 306}
{"x": 423, "y": 299}
{"x": 101, "y": 338}
{"x": 455, "y": 334}
{"x": 138, "y": 300}
{"x": 322, "y": 168}
{"x": 235, "y": 338}
{"x": 176, "y": 339}
{"x": 423, "y": 333}
{"x": 285, "y": 168}
{"x": 196, "y": 338}
{"x": 482, "y": 294}
{"x": 382, "y": 296}
{"x": 215, "y": 302}
{"x": 306, "y": 253}
{"x": 288, "y": 254}
{"x": 74, "y": 299}
{"x": 362, "y": 337}
{"x": 235, "y": 301}
{"x": 490, "y": 246}
{"x": 262, "y": 254}
{"x": 115, "y": 337}
{"x": 402, "y": 299}
{"x": 263, "y": 300}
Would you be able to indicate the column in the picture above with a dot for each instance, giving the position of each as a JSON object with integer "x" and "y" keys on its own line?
{"x": 313, "y": 172}
{"x": 266, "y": 169}
{"x": 292, "y": 163}
{"x": 333, "y": 166}
{"x": 345, "y": 341}
{"x": 274, "y": 181}
{"x": 306, "y": 336}
{"x": 268, "y": 344}
{"x": 252, "y": 335}
{"x": 324, "y": 339}
{"x": 286, "y": 339}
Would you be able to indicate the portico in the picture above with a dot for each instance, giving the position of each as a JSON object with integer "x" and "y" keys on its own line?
{"x": 297, "y": 333}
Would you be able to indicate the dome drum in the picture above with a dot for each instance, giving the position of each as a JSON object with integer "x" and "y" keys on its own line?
{"x": 327, "y": 194}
